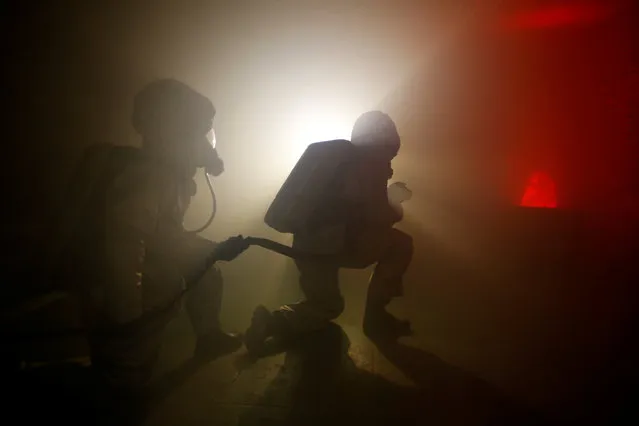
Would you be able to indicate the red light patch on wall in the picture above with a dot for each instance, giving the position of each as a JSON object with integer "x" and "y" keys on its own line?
{"x": 556, "y": 16}
{"x": 540, "y": 192}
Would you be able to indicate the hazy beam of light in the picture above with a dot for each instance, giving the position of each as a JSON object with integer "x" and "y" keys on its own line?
{"x": 308, "y": 95}
{"x": 449, "y": 32}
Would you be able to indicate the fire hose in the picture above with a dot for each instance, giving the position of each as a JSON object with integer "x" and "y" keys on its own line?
{"x": 154, "y": 319}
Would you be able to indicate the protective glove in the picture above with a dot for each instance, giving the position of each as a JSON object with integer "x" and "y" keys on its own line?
{"x": 398, "y": 192}
{"x": 230, "y": 249}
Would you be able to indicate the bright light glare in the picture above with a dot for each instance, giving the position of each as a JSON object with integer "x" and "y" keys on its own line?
{"x": 317, "y": 126}
{"x": 310, "y": 125}
{"x": 210, "y": 136}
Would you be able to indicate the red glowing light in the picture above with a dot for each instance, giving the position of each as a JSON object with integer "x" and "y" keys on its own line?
{"x": 540, "y": 192}
{"x": 556, "y": 16}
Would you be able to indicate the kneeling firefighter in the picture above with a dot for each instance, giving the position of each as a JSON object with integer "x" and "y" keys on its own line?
{"x": 337, "y": 204}
{"x": 128, "y": 255}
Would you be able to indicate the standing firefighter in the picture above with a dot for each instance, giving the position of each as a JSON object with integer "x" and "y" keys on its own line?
{"x": 337, "y": 204}
{"x": 128, "y": 254}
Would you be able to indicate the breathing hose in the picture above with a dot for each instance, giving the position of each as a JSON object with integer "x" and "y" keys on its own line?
{"x": 154, "y": 319}
{"x": 209, "y": 221}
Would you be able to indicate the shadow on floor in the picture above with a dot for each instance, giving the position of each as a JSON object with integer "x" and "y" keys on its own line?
{"x": 324, "y": 386}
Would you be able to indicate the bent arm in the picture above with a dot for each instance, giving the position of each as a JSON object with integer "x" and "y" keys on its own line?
{"x": 371, "y": 194}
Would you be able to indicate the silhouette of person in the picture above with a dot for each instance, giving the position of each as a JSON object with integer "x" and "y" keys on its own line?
{"x": 127, "y": 252}
{"x": 354, "y": 220}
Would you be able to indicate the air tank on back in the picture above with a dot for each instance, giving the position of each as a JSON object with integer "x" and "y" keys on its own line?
{"x": 305, "y": 187}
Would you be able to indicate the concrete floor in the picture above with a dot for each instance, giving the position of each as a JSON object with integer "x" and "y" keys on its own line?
{"x": 336, "y": 376}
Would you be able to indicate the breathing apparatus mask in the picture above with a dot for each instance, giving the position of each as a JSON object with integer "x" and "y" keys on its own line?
{"x": 206, "y": 158}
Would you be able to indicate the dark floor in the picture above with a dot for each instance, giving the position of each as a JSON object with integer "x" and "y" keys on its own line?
{"x": 510, "y": 345}
{"x": 335, "y": 376}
